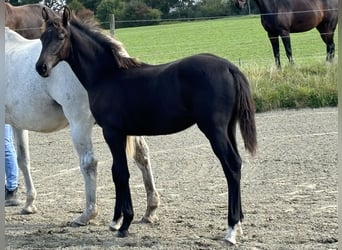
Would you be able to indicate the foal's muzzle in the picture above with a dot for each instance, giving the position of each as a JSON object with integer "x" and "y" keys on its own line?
{"x": 42, "y": 69}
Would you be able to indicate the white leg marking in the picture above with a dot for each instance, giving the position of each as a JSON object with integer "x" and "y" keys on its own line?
{"x": 232, "y": 232}
{"x": 115, "y": 225}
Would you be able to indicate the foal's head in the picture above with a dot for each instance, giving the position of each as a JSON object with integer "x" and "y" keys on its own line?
{"x": 55, "y": 41}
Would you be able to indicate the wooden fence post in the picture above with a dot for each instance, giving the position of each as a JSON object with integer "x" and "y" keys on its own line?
{"x": 112, "y": 24}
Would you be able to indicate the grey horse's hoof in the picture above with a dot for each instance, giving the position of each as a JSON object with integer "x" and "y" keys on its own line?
{"x": 148, "y": 220}
{"x": 75, "y": 224}
{"x": 78, "y": 223}
{"x": 29, "y": 210}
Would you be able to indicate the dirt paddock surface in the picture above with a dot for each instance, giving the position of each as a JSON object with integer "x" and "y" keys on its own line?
{"x": 289, "y": 191}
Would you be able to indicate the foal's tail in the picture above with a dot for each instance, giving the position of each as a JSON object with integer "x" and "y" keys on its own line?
{"x": 245, "y": 111}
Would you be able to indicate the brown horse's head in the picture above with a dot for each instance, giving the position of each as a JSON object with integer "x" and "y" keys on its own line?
{"x": 55, "y": 41}
{"x": 240, "y": 3}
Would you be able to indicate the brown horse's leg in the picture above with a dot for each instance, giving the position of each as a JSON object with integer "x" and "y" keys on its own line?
{"x": 287, "y": 45}
{"x": 275, "y": 46}
{"x": 327, "y": 35}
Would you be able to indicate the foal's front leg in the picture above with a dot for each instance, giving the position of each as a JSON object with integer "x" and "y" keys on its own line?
{"x": 120, "y": 174}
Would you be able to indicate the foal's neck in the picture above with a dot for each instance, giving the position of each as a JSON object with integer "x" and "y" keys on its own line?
{"x": 88, "y": 59}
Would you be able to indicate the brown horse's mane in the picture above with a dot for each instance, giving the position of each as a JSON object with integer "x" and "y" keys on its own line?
{"x": 91, "y": 28}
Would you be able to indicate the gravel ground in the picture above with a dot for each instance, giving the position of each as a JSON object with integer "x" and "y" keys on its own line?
{"x": 289, "y": 191}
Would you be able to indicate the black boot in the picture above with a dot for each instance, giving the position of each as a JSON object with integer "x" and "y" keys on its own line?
{"x": 11, "y": 198}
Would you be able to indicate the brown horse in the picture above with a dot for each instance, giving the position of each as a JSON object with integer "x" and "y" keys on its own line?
{"x": 26, "y": 19}
{"x": 282, "y": 17}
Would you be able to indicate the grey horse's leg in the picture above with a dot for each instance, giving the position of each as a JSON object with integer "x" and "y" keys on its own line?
{"x": 81, "y": 137}
{"x": 23, "y": 156}
{"x": 142, "y": 158}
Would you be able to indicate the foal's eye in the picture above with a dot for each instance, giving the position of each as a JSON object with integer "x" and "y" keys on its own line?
{"x": 61, "y": 36}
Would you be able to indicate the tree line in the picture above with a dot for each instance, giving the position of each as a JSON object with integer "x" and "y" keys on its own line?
{"x": 145, "y": 12}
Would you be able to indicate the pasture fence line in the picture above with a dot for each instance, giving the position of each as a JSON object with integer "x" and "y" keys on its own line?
{"x": 180, "y": 19}
{"x": 268, "y": 61}
{"x": 216, "y": 17}
{"x": 111, "y": 20}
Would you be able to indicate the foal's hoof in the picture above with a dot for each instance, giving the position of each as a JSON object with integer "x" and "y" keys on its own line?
{"x": 115, "y": 225}
{"x": 122, "y": 234}
{"x": 230, "y": 242}
{"x": 230, "y": 238}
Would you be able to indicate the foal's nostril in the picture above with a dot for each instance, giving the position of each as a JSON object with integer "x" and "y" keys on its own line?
{"x": 42, "y": 69}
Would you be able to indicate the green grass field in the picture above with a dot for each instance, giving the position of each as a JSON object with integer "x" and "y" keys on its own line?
{"x": 309, "y": 83}
{"x": 239, "y": 39}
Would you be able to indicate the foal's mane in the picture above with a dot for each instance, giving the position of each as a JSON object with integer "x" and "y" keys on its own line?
{"x": 91, "y": 28}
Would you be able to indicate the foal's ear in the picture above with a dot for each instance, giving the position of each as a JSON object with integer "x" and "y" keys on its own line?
{"x": 66, "y": 16}
{"x": 45, "y": 14}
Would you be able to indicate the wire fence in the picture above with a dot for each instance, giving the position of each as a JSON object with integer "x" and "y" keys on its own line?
{"x": 218, "y": 17}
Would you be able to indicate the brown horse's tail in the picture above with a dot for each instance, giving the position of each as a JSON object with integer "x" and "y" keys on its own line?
{"x": 245, "y": 111}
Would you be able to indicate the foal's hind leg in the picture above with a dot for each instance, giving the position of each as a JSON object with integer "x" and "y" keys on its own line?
{"x": 231, "y": 164}
{"x": 81, "y": 137}
{"x": 142, "y": 158}
{"x": 23, "y": 156}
